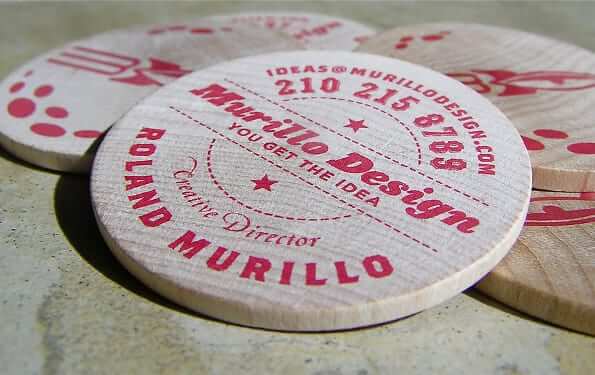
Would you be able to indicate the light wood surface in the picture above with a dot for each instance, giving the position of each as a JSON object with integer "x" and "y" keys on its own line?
{"x": 56, "y": 106}
{"x": 315, "y": 31}
{"x": 303, "y": 191}
{"x": 546, "y": 87}
{"x": 68, "y": 307}
{"x": 550, "y": 272}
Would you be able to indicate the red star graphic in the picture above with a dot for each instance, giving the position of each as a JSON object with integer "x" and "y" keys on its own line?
{"x": 356, "y": 125}
{"x": 264, "y": 183}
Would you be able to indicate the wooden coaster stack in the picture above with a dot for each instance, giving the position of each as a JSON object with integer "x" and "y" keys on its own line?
{"x": 252, "y": 176}
{"x": 547, "y": 89}
{"x": 59, "y": 104}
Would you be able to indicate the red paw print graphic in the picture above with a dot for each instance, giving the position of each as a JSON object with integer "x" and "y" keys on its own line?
{"x": 184, "y": 28}
{"x": 581, "y": 148}
{"x": 23, "y": 107}
{"x": 406, "y": 40}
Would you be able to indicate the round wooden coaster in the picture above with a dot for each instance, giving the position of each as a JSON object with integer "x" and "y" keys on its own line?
{"x": 546, "y": 88}
{"x": 56, "y": 106}
{"x": 311, "y": 190}
{"x": 550, "y": 272}
{"x": 315, "y": 31}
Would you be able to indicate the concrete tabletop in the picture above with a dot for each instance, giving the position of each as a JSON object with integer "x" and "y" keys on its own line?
{"x": 67, "y": 306}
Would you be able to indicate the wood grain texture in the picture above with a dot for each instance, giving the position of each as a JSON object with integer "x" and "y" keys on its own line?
{"x": 546, "y": 87}
{"x": 315, "y": 31}
{"x": 282, "y": 192}
{"x": 82, "y": 313}
{"x": 55, "y": 107}
{"x": 550, "y": 272}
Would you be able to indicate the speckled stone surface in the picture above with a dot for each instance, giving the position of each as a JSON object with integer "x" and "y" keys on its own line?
{"x": 67, "y": 306}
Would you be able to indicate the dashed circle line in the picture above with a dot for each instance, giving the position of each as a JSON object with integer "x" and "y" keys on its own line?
{"x": 269, "y": 161}
{"x": 257, "y": 210}
{"x": 399, "y": 163}
{"x": 359, "y": 210}
{"x": 416, "y": 141}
